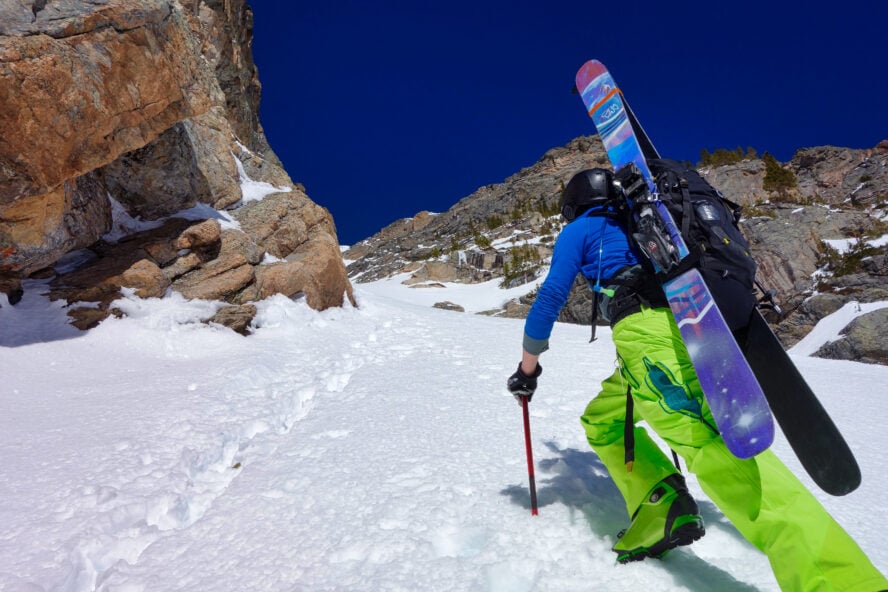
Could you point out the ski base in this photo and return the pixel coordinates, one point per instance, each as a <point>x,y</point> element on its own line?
<point>808,428</point>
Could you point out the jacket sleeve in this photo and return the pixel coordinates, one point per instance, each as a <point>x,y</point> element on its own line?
<point>567,262</point>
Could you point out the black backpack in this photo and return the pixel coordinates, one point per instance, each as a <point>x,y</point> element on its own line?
<point>708,223</point>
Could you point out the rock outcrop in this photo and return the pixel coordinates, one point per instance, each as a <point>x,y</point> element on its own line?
<point>139,110</point>
<point>862,340</point>
<point>84,83</point>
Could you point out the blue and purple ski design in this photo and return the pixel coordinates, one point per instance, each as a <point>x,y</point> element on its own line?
<point>734,396</point>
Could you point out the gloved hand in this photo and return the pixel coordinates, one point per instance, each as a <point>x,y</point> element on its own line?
<point>522,385</point>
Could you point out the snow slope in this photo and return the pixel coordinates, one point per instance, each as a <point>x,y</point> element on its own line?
<point>369,449</point>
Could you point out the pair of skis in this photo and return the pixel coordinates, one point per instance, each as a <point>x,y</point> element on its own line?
<point>746,384</point>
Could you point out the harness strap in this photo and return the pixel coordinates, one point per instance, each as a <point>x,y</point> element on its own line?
<point>686,211</point>
<point>629,432</point>
<point>595,299</point>
<point>629,436</point>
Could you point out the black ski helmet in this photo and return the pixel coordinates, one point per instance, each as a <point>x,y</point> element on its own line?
<point>589,188</point>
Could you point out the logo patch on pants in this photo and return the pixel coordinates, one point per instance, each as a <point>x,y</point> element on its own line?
<point>674,397</point>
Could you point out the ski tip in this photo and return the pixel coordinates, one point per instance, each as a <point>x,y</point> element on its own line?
<point>587,73</point>
<point>593,66</point>
<point>837,479</point>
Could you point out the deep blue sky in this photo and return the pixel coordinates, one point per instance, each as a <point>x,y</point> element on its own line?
<point>383,109</point>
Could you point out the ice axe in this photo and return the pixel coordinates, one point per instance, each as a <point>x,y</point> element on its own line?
<point>533,493</point>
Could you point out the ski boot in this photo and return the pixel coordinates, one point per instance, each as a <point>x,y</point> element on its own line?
<point>668,518</point>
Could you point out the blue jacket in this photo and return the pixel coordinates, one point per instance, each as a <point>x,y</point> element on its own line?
<point>595,246</point>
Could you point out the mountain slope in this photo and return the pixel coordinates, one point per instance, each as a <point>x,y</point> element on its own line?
<point>827,196</point>
<point>353,449</point>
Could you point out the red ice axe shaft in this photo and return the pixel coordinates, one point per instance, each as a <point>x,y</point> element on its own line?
<point>533,491</point>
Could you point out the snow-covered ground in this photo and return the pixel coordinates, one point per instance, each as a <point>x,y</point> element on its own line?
<point>356,449</point>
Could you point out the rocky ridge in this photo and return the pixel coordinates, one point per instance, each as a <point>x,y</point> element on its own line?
<point>504,232</point>
<point>148,110</point>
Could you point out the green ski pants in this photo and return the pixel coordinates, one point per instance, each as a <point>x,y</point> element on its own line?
<point>771,508</point>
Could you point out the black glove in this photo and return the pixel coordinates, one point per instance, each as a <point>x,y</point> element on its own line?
<point>522,385</point>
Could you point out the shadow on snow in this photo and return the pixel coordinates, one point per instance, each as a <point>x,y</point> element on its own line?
<point>579,480</point>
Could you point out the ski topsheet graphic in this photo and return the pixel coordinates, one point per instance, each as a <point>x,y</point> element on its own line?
<point>734,396</point>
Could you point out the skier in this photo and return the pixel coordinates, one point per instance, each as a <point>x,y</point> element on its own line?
<point>655,382</point>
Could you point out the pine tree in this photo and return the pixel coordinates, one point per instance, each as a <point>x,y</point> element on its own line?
<point>777,178</point>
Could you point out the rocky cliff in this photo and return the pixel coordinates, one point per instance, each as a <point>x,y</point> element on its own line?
<point>504,233</point>
<point>132,156</point>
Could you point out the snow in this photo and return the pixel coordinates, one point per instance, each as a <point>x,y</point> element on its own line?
<point>122,224</point>
<point>474,298</point>
<point>203,211</point>
<point>843,245</point>
<point>830,327</point>
<point>255,190</point>
<point>357,449</point>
